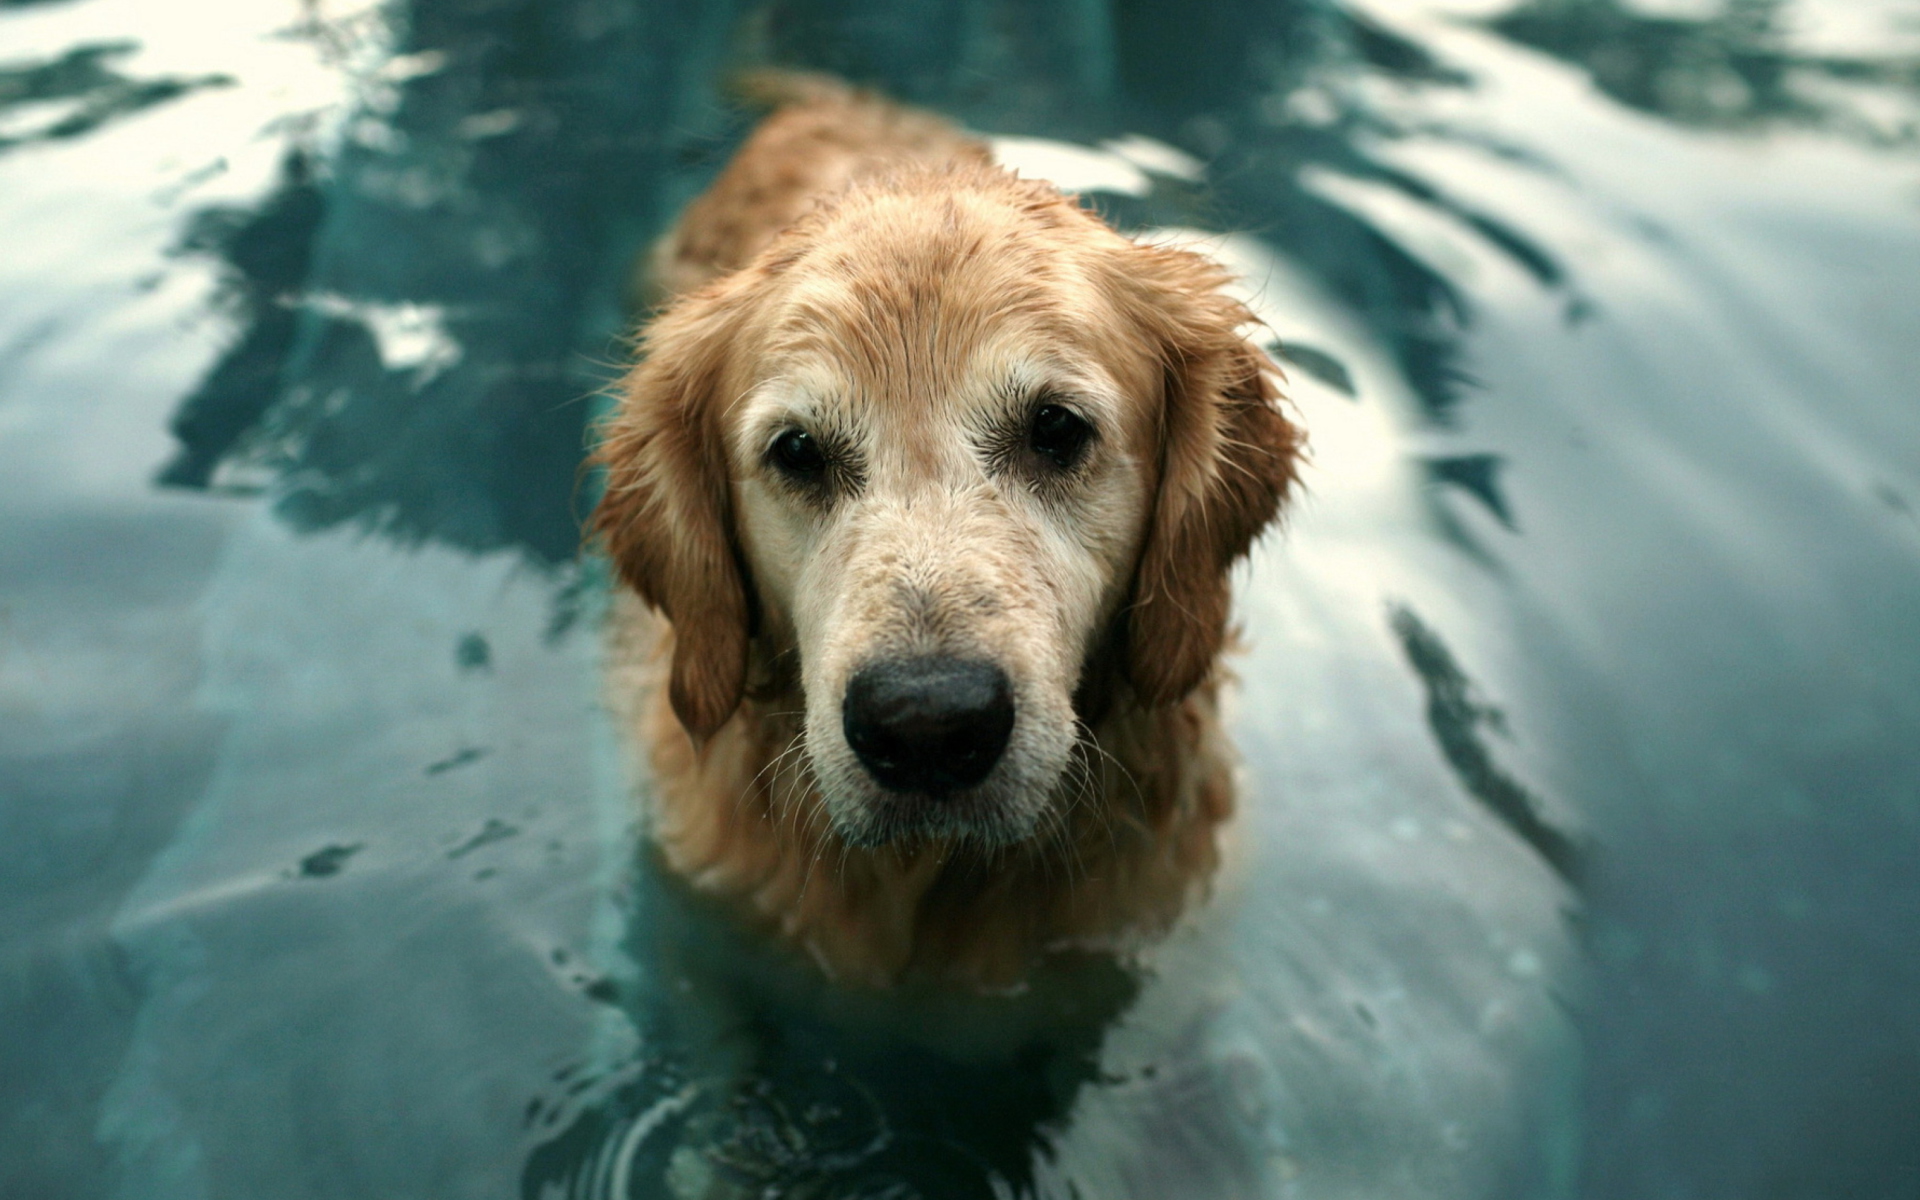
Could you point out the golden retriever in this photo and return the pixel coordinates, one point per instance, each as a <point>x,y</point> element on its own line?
<point>934,481</point>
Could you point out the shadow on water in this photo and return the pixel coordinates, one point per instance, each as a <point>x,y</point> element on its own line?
<point>757,1079</point>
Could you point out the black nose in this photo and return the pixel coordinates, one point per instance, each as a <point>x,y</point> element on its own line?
<point>928,724</point>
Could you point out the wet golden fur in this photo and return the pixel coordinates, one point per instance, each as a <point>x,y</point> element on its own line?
<point>863,267</point>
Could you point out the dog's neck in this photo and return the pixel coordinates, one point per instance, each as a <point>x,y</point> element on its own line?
<point>1133,838</point>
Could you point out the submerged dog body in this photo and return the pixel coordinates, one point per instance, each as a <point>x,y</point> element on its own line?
<point>936,481</point>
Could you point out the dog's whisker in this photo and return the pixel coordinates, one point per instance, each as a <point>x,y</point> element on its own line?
<point>794,811</point>
<point>1091,741</point>
<point>1085,798</point>
<point>774,764</point>
<point>774,802</point>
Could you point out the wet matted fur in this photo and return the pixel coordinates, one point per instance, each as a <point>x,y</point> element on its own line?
<point>863,275</point>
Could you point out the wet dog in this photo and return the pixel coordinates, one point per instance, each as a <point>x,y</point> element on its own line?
<point>927,487</point>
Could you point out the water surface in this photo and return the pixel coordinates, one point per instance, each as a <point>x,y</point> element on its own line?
<point>1582,797</point>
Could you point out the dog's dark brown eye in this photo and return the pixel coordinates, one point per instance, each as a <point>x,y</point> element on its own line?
<point>1059,436</point>
<point>798,453</point>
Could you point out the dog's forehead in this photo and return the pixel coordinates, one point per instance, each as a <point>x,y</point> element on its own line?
<point>903,289</point>
<point>896,319</point>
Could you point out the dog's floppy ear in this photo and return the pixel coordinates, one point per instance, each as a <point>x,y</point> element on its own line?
<point>1228,459</point>
<point>665,517</point>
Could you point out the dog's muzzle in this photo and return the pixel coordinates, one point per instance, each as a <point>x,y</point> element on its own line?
<point>928,725</point>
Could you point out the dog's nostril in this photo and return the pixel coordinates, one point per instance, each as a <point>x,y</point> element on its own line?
<point>928,724</point>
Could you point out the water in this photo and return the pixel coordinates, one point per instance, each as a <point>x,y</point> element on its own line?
<point>1582,791</point>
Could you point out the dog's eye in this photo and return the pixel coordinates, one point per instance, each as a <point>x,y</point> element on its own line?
<point>798,453</point>
<point>1059,436</point>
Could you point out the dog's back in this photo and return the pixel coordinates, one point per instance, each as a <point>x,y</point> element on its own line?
<point>822,136</point>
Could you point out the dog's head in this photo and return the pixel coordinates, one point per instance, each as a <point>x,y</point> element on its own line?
<point>966,459</point>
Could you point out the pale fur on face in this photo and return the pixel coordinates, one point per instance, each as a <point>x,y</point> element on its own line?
<point>912,322</point>
<point>937,538</point>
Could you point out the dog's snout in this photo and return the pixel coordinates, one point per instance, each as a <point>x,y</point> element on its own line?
<point>928,724</point>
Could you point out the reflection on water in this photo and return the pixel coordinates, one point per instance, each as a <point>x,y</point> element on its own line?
<point>1733,66</point>
<point>1579,827</point>
<point>76,93</point>
<point>454,295</point>
<point>423,332</point>
<point>1460,723</point>
<point>266,254</point>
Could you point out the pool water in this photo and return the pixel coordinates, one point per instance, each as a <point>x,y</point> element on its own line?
<point>1579,851</point>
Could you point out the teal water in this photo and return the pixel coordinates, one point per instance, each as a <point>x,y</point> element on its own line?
<point>1580,852</point>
